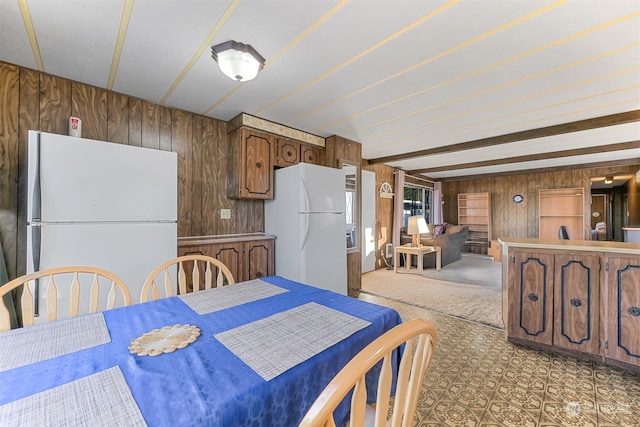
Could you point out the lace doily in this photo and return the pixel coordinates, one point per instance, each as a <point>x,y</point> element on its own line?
<point>164,340</point>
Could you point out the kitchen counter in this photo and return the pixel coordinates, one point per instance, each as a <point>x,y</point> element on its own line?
<point>221,238</point>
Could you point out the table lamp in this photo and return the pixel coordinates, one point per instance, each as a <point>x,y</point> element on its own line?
<point>416,226</point>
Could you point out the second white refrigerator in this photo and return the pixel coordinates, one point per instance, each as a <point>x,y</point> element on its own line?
<point>307,216</point>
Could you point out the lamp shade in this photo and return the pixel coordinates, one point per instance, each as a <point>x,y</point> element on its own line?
<point>417,225</point>
<point>238,61</point>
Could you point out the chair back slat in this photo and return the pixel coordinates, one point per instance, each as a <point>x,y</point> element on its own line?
<point>74,305</point>
<point>52,299</point>
<point>208,276</point>
<point>26,303</point>
<point>413,367</point>
<point>223,276</point>
<point>111,296</point>
<point>51,289</point>
<point>195,284</point>
<point>182,279</point>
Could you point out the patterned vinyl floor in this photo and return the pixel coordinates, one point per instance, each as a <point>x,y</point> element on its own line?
<point>477,378</point>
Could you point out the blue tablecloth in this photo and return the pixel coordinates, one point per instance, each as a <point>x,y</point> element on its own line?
<point>204,383</point>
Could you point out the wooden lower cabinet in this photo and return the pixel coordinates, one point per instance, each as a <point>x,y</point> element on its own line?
<point>247,258</point>
<point>576,303</point>
<point>554,300</point>
<point>623,318</point>
<point>584,303</point>
<point>531,297</point>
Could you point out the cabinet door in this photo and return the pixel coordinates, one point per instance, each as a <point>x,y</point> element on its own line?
<point>259,259</point>
<point>531,297</point>
<point>576,302</point>
<point>250,165</point>
<point>287,152</point>
<point>231,255</point>
<point>623,323</point>
<point>309,154</point>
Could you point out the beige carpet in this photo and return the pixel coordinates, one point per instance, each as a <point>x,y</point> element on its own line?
<point>471,291</point>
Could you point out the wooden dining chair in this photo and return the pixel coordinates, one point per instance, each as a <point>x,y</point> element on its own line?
<point>413,366</point>
<point>211,268</point>
<point>52,281</point>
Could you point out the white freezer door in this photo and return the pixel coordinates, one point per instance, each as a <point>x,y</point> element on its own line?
<point>129,250</point>
<point>321,189</point>
<point>88,180</point>
<point>323,251</point>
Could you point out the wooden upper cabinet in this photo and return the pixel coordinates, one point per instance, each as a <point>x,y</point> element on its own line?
<point>250,164</point>
<point>310,154</point>
<point>287,152</point>
<point>290,152</point>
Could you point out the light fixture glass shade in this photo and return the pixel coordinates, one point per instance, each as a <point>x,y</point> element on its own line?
<point>238,61</point>
<point>608,180</point>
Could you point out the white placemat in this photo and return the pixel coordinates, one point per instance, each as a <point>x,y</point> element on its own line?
<point>101,399</point>
<point>210,300</point>
<point>272,345</point>
<point>24,346</point>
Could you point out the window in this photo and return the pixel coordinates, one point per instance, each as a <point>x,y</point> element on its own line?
<point>418,200</point>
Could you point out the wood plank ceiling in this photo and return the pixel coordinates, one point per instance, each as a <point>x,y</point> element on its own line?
<point>444,88</point>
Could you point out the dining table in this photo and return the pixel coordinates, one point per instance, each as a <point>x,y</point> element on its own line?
<point>255,353</point>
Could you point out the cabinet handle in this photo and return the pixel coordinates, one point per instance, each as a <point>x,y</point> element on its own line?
<point>259,274</point>
<point>576,302</point>
<point>258,165</point>
<point>634,311</point>
<point>532,297</point>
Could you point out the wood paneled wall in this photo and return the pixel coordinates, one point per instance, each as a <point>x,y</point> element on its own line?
<point>31,100</point>
<point>336,149</point>
<point>384,211</point>
<point>520,220</point>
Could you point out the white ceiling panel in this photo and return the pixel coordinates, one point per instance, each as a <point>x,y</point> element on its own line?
<point>397,76</point>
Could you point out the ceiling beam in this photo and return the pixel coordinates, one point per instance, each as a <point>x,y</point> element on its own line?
<point>581,125</point>
<point>533,157</point>
<point>607,164</point>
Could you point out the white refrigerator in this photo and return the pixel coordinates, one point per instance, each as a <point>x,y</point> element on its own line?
<point>307,216</point>
<point>99,204</point>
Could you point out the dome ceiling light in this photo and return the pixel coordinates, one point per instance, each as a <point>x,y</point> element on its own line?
<point>238,61</point>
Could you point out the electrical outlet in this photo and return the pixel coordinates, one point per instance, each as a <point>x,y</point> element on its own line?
<point>225,213</point>
<point>388,250</point>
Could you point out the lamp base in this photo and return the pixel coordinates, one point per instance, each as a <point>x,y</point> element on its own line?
<point>415,242</point>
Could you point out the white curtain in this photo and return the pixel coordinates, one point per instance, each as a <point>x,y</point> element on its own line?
<point>437,202</point>
<point>398,208</point>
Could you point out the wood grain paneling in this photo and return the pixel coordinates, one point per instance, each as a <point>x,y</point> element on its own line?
<point>89,104</point>
<point>166,120</point>
<point>196,175</point>
<point>180,139</point>
<point>150,127</point>
<point>117,118</point>
<point>511,219</point>
<point>9,93</point>
<point>55,104</point>
<point>135,122</point>
<point>29,112</point>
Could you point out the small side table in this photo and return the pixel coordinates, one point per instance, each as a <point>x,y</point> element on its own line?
<point>419,251</point>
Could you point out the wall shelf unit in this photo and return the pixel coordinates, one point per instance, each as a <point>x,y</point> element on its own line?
<point>561,206</point>
<point>474,210</point>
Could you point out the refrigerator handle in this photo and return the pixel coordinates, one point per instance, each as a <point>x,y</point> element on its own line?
<point>36,209</point>
<point>305,195</point>
<point>36,239</point>
<point>305,234</point>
